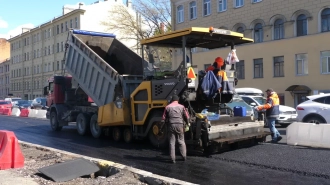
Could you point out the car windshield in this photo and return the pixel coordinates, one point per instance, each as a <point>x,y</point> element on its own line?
<point>43,101</point>
<point>22,102</point>
<point>15,99</point>
<point>239,102</point>
<point>4,102</point>
<point>260,100</point>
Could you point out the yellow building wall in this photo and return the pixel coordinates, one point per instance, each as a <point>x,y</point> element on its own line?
<point>266,12</point>
<point>312,45</point>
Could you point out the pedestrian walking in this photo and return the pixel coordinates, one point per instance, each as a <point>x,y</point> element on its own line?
<point>272,112</point>
<point>175,115</point>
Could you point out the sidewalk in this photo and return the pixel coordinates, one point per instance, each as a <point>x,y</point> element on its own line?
<point>9,177</point>
<point>37,156</point>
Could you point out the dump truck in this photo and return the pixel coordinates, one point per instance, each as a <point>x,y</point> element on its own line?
<point>107,89</point>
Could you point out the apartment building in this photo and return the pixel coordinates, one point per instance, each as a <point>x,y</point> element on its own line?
<point>4,67</point>
<point>4,79</point>
<point>37,54</point>
<point>290,53</point>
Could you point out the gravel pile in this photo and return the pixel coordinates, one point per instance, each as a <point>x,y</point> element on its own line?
<point>36,158</point>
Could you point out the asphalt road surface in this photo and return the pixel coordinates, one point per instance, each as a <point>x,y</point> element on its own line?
<point>262,164</point>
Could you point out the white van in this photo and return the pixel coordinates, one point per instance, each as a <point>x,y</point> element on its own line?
<point>254,97</point>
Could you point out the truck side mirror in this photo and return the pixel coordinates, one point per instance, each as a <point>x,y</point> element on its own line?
<point>46,90</point>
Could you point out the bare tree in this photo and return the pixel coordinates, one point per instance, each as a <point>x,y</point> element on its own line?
<point>146,19</point>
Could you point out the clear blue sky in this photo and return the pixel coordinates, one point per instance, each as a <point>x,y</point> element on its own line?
<point>15,14</point>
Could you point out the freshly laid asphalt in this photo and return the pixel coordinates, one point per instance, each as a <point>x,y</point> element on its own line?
<point>262,164</point>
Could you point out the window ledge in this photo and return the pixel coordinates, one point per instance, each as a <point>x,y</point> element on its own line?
<point>206,15</point>
<point>301,74</point>
<point>222,11</point>
<point>236,7</point>
<point>278,76</point>
<point>193,19</point>
<point>256,2</point>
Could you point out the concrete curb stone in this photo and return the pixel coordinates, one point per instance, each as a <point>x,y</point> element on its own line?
<point>109,167</point>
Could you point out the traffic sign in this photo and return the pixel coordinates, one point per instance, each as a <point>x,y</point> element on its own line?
<point>191,73</point>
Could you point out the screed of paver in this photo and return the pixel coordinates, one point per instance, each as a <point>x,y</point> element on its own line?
<point>11,178</point>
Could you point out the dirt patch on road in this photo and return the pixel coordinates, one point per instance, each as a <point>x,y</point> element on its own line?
<point>36,158</point>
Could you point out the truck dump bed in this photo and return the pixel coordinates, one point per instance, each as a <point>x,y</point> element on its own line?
<point>97,61</point>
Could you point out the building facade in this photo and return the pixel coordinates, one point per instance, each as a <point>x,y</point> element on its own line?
<point>290,53</point>
<point>37,54</point>
<point>4,68</point>
<point>4,79</point>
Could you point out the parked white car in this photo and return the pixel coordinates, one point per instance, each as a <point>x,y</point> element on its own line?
<point>315,110</point>
<point>287,114</point>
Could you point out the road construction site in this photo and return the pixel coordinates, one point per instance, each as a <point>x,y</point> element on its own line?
<point>261,164</point>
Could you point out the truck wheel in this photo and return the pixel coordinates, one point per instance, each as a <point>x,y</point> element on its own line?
<point>82,124</point>
<point>54,124</point>
<point>128,137</point>
<point>157,137</point>
<point>117,134</point>
<point>96,130</point>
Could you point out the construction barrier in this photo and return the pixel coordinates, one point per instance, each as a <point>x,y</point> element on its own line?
<point>10,153</point>
<point>6,111</point>
<point>34,113</point>
<point>15,112</point>
<point>24,113</point>
<point>308,134</point>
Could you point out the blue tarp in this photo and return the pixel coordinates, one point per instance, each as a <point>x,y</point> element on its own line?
<point>92,33</point>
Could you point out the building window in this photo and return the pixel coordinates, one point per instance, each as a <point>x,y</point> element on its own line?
<point>71,23</point>
<point>258,33</point>
<point>49,67</point>
<point>62,46</point>
<point>206,66</point>
<point>206,7</point>
<point>238,3</point>
<point>58,47</point>
<point>62,28</point>
<point>48,50</point>
<point>45,68</point>
<point>193,10</point>
<point>325,62</point>
<point>258,68</point>
<point>301,64</point>
<point>58,29</point>
<point>278,29</point>
<point>57,65</point>
<point>240,69</point>
<point>301,25</point>
<point>222,5</point>
<point>180,14</point>
<point>256,1</point>
<point>279,66</point>
<point>76,22</point>
<point>325,20</point>
<point>240,30</point>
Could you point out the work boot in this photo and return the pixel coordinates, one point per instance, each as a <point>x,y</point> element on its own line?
<point>184,158</point>
<point>173,161</point>
<point>279,138</point>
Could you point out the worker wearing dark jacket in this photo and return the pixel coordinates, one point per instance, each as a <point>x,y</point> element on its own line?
<point>174,117</point>
<point>272,112</point>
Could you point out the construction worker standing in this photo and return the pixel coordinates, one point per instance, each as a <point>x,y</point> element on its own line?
<point>174,117</point>
<point>272,112</point>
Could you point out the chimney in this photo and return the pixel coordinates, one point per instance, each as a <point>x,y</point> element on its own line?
<point>162,25</point>
<point>129,4</point>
